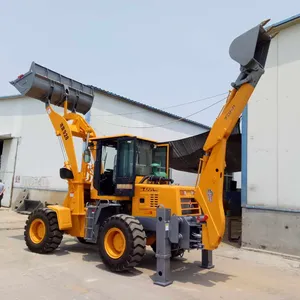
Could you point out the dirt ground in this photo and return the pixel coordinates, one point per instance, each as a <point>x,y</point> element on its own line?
<point>75,271</point>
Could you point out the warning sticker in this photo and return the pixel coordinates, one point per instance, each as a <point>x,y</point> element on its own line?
<point>167,226</point>
<point>210,195</point>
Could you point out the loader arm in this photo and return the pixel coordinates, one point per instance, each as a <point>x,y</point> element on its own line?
<point>67,131</point>
<point>250,50</point>
<point>78,128</point>
<point>51,87</point>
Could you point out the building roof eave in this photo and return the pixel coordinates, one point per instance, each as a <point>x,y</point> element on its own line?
<point>283,24</point>
<point>148,107</point>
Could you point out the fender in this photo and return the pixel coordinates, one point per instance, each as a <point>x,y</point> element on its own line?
<point>63,216</point>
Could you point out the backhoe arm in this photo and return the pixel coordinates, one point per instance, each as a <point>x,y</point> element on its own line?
<point>250,50</point>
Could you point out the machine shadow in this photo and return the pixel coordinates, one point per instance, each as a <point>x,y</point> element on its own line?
<point>186,272</point>
<point>17,237</point>
<point>89,251</point>
<point>181,270</point>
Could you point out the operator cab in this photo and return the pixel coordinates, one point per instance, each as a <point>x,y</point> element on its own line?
<point>126,160</point>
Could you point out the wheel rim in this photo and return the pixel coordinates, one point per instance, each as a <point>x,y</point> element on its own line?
<point>115,243</point>
<point>37,231</point>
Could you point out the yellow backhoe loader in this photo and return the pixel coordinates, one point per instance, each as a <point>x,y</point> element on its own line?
<point>122,197</point>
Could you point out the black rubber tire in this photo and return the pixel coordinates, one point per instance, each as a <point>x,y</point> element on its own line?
<point>135,242</point>
<point>53,236</point>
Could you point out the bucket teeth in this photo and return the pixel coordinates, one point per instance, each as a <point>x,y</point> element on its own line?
<point>263,23</point>
<point>270,28</point>
<point>273,35</point>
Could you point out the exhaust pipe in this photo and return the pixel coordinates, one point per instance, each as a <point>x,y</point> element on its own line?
<point>251,48</point>
<point>50,87</point>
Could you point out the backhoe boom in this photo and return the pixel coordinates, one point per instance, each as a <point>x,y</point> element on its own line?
<point>250,51</point>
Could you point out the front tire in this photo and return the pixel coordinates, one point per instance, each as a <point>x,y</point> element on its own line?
<point>41,232</point>
<point>122,242</point>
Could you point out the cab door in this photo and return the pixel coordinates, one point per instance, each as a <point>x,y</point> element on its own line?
<point>125,170</point>
<point>161,156</point>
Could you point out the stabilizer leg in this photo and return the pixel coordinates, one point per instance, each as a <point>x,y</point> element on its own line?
<point>207,259</point>
<point>163,248</point>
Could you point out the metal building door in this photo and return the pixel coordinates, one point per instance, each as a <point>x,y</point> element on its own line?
<point>7,169</point>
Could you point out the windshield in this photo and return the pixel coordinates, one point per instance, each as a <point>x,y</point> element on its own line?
<point>150,160</point>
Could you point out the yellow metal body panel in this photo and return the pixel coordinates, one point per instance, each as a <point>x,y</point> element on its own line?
<point>209,190</point>
<point>149,196</point>
<point>63,216</point>
<point>78,224</point>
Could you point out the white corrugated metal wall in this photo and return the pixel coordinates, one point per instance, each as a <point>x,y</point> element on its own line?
<point>271,147</point>
<point>273,127</point>
<point>39,156</point>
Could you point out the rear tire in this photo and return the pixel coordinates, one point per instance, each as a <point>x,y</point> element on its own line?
<point>122,242</point>
<point>41,232</point>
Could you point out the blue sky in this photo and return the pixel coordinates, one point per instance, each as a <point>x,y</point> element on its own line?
<point>160,53</point>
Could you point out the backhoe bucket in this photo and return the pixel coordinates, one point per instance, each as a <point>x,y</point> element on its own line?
<point>48,86</point>
<point>251,47</point>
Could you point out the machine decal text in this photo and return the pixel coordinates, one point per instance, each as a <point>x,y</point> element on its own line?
<point>229,112</point>
<point>148,189</point>
<point>64,131</point>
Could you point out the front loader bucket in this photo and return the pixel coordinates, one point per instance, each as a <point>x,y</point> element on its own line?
<point>48,86</point>
<point>251,47</point>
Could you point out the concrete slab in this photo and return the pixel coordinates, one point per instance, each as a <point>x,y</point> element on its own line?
<point>75,271</point>
<point>11,220</point>
<point>281,231</point>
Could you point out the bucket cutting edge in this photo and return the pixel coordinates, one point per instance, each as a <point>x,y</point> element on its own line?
<point>49,86</point>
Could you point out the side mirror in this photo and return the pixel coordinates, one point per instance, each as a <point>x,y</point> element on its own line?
<point>87,156</point>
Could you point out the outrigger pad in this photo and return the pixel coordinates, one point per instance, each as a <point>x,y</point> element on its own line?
<point>46,85</point>
<point>251,47</point>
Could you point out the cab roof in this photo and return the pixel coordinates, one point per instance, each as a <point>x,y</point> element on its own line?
<point>97,138</point>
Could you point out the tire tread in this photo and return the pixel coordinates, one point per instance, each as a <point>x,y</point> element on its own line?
<point>137,242</point>
<point>53,235</point>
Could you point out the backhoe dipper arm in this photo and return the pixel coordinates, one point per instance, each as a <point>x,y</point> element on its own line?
<point>250,50</point>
